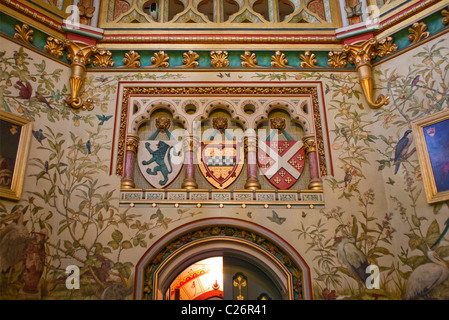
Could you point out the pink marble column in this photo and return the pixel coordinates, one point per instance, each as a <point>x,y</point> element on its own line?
<point>189,145</point>
<point>310,147</point>
<point>132,144</point>
<point>252,181</point>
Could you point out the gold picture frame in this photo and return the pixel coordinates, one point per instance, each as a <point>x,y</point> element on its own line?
<point>15,140</point>
<point>431,136</point>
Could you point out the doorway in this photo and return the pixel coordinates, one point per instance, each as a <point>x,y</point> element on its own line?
<point>223,278</point>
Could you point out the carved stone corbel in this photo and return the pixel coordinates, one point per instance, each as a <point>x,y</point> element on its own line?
<point>79,54</point>
<point>361,54</point>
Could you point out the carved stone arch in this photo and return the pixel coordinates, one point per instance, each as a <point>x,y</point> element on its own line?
<point>221,236</point>
<point>227,106</point>
<point>296,113</point>
<point>145,114</point>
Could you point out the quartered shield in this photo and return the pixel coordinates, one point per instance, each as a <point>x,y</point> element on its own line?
<point>221,162</point>
<point>160,161</point>
<point>281,162</point>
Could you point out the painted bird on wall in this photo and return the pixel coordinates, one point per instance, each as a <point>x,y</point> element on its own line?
<point>25,91</point>
<point>42,99</point>
<point>39,135</point>
<point>352,258</point>
<point>276,219</point>
<point>426,277</point>
<point>401,153</point>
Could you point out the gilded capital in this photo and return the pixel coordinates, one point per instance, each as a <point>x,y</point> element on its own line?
<point>79,54</point>
<point>132,143</point>
<point>361,53</point>
<point>309,144</point>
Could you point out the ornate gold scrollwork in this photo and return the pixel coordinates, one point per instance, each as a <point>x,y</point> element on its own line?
<point>308,60</point>
<point>337,59</point>
<point>103,59</point>
<point>190,59</point>
<point>79,54</point>
<point>278,60</point>
<point>445,13</point>
<point>418,32</point>
<point>24,33</point>
<point>160,60</point>
<point>132,59</point>
<point>54,47</point>
<point>249,60</point>
<point>361,54</point>
<point>219,59</point>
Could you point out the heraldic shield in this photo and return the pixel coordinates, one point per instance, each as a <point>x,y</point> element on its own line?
<point>160,161</point>
<point>281,162</point>
<point>221,162</point>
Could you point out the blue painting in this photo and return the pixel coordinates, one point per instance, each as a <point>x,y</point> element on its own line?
<point>437,141</point>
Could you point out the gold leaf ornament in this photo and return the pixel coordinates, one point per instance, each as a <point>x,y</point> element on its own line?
<point>103,59</point>
<point>24,33</point>
<point>445,13</point>
<point>132,59</point>
<point>418,32</point>
<point>308,60</point>
<point>219,59</point>
<point>249,60</point>
<point>190,59</point>
<point>337,59</point>
<point>386,47</point>
<point>160,60</point>
<point>278,60</point>
<point>54,47</point>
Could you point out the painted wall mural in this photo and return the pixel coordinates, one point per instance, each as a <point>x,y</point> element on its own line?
<point>374,204</point>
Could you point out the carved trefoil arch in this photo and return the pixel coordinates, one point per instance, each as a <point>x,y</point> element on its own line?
<point>246,109</point>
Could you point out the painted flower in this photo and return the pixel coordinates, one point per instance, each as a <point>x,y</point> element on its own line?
<point>345,90</point>
<point>336,146</point>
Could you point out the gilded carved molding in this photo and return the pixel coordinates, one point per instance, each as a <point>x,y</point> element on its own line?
<point>418,31</point>
<point>132,59</point>
<point>199,91</point>
<point>79,54</point>
<point>160,60</point>
<point>103,59</point>
<point>278,60</point>
<point>337,59</point>
<point>24,33</point>
<point>361,53</point>
<point>219,59</point>
<point>249,60</point>
<point>190,59</point>
<point>445,13</point>
<point>54,47</point>
<point>308,60</point>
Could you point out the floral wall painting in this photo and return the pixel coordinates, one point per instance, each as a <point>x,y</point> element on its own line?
<point>15,138</point>
<point>432,141</point>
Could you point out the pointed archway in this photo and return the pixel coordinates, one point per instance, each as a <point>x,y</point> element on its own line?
<point>227,237</point>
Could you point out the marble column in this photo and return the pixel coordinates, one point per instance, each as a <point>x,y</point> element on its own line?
<point>311,152</point>
<point>132,145</point>
<point>252,182</point>
<point>190,144</point>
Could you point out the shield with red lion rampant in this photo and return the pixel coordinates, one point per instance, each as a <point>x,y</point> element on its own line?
<point>221,162</point>
<point>281,162</point>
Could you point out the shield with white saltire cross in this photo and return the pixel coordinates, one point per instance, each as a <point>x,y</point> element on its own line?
<point>281,162</point>
<point>221,162</point>
<point>160,162</point>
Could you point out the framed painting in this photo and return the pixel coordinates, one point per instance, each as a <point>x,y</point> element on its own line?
<point>432,144</point>
<point>15,139</point>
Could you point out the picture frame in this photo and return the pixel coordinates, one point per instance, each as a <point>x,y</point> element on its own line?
<point>431,135</point>
<point>15,140</point>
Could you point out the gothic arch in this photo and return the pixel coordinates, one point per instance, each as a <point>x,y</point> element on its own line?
<point>211,236</point>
